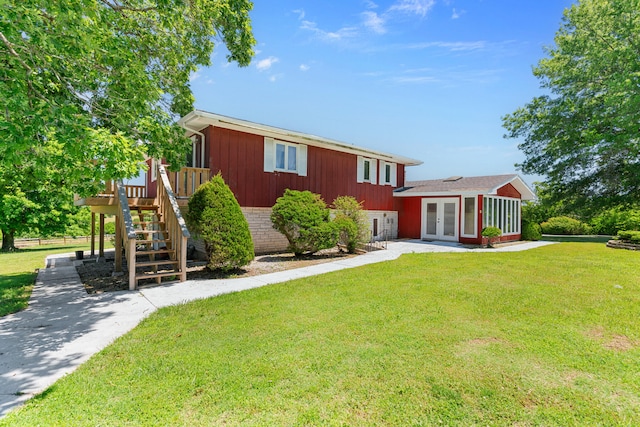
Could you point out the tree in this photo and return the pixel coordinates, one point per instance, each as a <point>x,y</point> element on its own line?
<point>584,134</point>
<point>215,216</point>
<point>93,86</point>
<point>303,218</point>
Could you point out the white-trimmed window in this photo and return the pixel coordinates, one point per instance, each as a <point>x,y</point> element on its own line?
<point>388,173</point>
<point>154,170</point>
<point>367,169</point>
<point>501,212</point>
<point>469,219</point>
<point>281,156</point>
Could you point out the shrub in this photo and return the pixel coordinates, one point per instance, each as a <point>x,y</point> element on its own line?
<point>564,225</point>
<point>531,231</point>
<point>630,235</point>
<point>491,233</point>
<point>215,216</point>
<point>615,219</point>
<point>303,218</point>
<point>347,232</point>
<point>349,207</point>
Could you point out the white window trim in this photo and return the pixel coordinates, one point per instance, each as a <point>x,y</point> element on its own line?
<point>154,170</point>
<point>270,146</point>
<point>508,225</point>
<point>373,170</point>
<point>475,216</point>
<point>393,173</point>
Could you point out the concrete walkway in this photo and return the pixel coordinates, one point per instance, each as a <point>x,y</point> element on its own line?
<point>64,326</point>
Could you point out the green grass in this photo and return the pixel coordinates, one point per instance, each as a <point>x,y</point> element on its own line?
<point>18,273</point>
<point>544,337</point>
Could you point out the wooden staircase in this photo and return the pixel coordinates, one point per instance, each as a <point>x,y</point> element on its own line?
<point>155,254</point>
<point>153,236</point>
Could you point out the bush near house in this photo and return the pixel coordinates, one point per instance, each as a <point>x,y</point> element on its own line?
<point>531,231</point>
<point>348,208</point>
<point>491,233</point>
<point>215,216</point>
<point>564,225</point>
<point>303,218</point>
<point>632,236</point>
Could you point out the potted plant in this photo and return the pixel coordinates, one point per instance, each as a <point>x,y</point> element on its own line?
<point>490,235</point>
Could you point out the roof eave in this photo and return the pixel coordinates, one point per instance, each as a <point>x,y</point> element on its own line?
<point>201,119</point>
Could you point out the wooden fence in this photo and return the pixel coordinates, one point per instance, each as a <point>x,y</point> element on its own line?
<point>67,240</point>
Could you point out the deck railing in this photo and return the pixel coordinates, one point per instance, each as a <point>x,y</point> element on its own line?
<point>187,181</point>
<point>132,191</point>
<point>174,222</point>
<point>125,234</point>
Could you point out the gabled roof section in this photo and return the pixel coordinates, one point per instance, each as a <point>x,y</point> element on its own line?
<point>198,120</point>
<point>487,185</point>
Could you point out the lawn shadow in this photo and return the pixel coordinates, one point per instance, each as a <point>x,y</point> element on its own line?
<point>576,239</point>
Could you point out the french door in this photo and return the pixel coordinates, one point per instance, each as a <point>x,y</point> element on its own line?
<point>440,219</point>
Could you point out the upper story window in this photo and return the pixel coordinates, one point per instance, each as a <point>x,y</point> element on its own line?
<point>286,157</point>
<point>281,156</point>
<point>388,173</point>
<point>367,170</point>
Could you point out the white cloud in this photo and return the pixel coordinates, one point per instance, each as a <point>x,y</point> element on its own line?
<point>374,22</point>
<point>275,77</point>
<point>457,14</point>
<point>341,34</point>
<point>300,13</point>
<point>194,76</point>
<point>452,46</point>
<point>370,5</point>
<point>417,7</point>
<point>265,64</point>
<point>304,67</point>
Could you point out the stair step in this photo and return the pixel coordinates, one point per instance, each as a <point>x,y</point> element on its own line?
<point>138,222</point>
<point>147,242</point>
<point>150,231</point>
<point>156,252</point>
<point>142,276</point>
<point>156,263</point>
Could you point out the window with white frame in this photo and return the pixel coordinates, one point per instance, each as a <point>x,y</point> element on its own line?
<point>388,173</point>
<point>281,156</point>
<point>469,226</point>
<point>501,212</point>
<point>366,170</point>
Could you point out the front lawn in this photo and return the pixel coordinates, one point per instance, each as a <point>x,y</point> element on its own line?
<point>544,337</point>
<point>18,273</point>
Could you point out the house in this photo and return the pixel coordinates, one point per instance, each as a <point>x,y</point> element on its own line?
<point>259,162</point>
<point>458,208</point>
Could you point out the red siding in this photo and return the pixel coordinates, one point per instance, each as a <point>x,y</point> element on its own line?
<point>509,191</point>
<point>409,217</point>
<point>239,157</point>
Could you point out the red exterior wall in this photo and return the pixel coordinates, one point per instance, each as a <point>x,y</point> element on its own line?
<point>509,191</point>
<point>409,217</point>
<point>239,156</point>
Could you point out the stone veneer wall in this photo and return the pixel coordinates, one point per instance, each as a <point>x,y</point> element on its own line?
<point>267,240</point>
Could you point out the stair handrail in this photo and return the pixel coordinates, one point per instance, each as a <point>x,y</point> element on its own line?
<point>164,178</point>
<point>127,219</point>
<point>174,222</point>
<point>125,235</point>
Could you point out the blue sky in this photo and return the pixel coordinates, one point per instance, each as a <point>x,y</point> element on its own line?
<point>427,79</point>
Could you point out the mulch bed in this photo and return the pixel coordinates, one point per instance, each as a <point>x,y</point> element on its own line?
<point>98,275</point>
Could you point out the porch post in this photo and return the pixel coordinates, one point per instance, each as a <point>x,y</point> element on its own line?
<point>118,255</point>
<point>93,234</point>
<point>101,243</point>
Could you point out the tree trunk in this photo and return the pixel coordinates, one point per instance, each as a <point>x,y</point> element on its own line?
<point>8,240</point>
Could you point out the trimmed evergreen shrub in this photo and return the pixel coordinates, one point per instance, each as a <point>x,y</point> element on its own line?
<point>491,233</point>
<point>632,236</point>
<point>349,207</point>
<point>303,218</point>
<point>564,225</point>
<point>215,216</point>
<point>531,231</point>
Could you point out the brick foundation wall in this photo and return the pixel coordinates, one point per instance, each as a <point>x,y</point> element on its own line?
<point>267,240</point>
